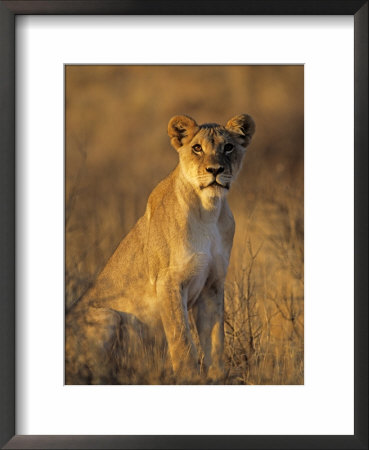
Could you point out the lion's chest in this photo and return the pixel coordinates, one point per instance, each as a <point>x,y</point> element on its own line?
<point>209,257</point>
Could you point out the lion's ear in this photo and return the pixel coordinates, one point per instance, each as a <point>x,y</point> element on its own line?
<point>181,130</point>
<point>243,125</point>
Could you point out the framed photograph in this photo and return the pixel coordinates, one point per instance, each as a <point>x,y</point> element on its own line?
<point>184,224</point>
<point>267,251</point>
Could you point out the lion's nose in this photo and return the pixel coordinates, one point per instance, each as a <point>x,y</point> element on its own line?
<point>215,169</point>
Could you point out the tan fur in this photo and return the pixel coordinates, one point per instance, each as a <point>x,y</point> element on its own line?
<point>173,261</point>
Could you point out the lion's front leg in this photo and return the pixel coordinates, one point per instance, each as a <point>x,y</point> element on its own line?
<point>174,316</point>
<point>209,316</point>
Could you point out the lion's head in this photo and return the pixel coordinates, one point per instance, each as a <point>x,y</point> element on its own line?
<point>211,154</point>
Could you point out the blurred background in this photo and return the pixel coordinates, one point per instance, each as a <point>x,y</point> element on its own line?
<point>117,150</point>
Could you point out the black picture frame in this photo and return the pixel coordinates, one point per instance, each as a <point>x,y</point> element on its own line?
<point>8,11</point>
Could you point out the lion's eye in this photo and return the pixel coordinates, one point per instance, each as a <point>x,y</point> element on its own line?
<point>197,148</point>
<point>228,148</point>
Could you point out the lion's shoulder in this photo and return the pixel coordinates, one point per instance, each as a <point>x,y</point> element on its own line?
<point>161,196</point>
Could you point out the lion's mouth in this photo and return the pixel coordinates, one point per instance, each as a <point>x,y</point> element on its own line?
<point>215,183</point>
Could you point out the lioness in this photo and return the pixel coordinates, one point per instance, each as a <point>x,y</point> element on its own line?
<point>174,260</point>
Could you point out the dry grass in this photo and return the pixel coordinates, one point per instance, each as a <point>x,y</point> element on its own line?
<point>116,152</point>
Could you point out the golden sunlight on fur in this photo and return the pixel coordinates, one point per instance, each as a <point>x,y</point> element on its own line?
<point>171,265</point>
